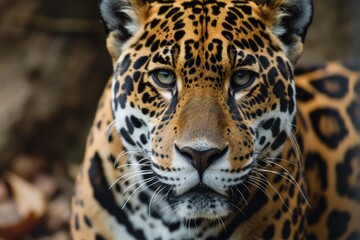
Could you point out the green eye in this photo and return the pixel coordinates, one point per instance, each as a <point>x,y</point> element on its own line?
<point>242,79</point>
<point>164,78</point>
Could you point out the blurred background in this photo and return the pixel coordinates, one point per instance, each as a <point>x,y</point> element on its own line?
<point>53,67</point>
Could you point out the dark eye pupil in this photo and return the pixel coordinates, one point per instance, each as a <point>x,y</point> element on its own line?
<point>242,79</point>
<point>164,78</point>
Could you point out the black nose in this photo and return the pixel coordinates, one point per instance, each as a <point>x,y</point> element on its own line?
<point>201,160</point>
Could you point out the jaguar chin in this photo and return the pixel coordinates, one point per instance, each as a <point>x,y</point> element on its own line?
<point>201,202</point>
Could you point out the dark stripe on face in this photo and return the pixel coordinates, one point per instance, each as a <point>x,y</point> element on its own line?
<point>173,104</point>
<point>105,197</point>
<point>234,109</point>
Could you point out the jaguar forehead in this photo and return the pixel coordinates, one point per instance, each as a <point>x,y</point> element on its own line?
<point>188,36</point>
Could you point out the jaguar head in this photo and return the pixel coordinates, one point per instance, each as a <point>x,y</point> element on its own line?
<point>204,89</point>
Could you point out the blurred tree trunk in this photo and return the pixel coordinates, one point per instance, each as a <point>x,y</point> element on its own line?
<point>53,66</point>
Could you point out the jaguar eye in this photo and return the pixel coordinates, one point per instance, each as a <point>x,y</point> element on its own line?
<point>164,78</point>
<point>242,79</point>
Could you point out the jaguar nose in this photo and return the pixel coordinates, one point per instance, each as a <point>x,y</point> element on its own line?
<point>201,160</point>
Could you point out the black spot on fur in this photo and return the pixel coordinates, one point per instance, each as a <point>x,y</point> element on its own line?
<point>164,9</point>
<point>268,124</point>
<point>335,124</point>
<point>136,122</point>
<point>275,128</point>
<point>357,87</point>
<point>262,140</point>
<point>291,102</point>
<point>227,35</point>
<point>311,236</point>
<point>127,137</point>
<point>282,67</point>
<point>129,126</point>
<point>272,75</point>
<point>286,230</point>
<point>99,237</point>
<point>141,87</point>
<point>259,41</point>
<point>179,35</point>
<point>121,100</point>
<point>140,62</point>
<point>128,85</point>
<point>354,113</point>
<point>143,139</point>
<point>279,89</point>
<point>269,232</point>
<point>154,22</point>
<point>136,76</point>
<point>337,224</point>
<point>173,226</point>
<point>76,222</point>
<point>236,12</point>
<point>116,87</point>
<point>125,64</point>
<point>144,198</point>
<point>335,86</point>
<point>264,62</point>
<point>303,95</point>
<point>87,221</point>
<point>345,170</point>
<point>150,40</point>
<point>254,47</point>
<point>279,140</point>
<point>295,214</point>
<point>317,209</point>
<point>315,161</point>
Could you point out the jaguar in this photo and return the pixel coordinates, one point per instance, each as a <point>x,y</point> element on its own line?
<point>207,131</point>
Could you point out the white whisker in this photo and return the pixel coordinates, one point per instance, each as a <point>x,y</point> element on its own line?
<point>138,182</point>
<point>242,196</point>
<point>258,186</point>
<point>288,177</point>
<point>136,173</point>
<point>133,164</point>
<point>263,178</point>
<point>153,197</point>
<point>237,208</point>
<point>294,182</point>
<point>132,194</point>
<point>119,156</point>
<point>295,146</point>
<point>167,207</point>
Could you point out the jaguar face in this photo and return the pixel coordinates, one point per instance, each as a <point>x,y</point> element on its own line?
<point>203,91</point>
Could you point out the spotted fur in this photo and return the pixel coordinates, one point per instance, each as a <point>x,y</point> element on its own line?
<point>203,159</point>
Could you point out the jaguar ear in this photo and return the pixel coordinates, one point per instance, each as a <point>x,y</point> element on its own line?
<point>289,21</point>
<point>122,19</point>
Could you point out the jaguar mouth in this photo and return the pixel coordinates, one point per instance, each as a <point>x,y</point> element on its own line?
<point>201,202</point>
<point>201,190</point>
